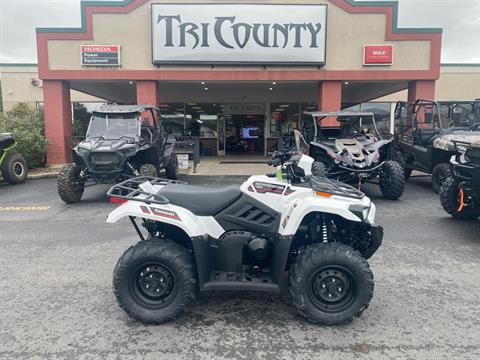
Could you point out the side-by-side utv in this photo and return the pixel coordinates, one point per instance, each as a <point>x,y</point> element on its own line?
<point>122,141</point>
<point>460,193</point>
<point>13,166</point>
<point>424,140</point>
<point>352,151</point>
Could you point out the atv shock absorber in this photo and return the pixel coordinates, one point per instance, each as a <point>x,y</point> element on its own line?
<point>132,169</point>
<point>324,230</point>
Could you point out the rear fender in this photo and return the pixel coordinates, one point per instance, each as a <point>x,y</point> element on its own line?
<point>177,216</point>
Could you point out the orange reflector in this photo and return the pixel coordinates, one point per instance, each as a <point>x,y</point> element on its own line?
<point>461,204</point>
<point>118,200</point>
<point>324,194</point>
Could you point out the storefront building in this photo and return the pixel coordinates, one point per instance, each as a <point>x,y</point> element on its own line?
<point>244,72</point>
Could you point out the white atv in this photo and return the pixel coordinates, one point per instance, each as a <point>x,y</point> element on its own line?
<point>317,231</point>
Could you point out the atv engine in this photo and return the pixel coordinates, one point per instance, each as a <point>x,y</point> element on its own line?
<point>238,248</point>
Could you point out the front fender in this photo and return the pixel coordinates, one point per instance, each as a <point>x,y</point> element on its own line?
<point>297,210</point>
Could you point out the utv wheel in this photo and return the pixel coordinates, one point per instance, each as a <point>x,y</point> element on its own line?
<point>70,185</point>
<point>450,200</point>
<point>319,169</point>
<point>392,180</point>
<point>171,171</point>
<point>154,281</point>
<point>148,170</point>
<point>440,173</point>
<point>331,284</point>
<point>402,160</point>
<point>14,169</point>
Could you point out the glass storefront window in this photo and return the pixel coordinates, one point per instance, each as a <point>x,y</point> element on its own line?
<point>284,118</point>
<point>173,116</point>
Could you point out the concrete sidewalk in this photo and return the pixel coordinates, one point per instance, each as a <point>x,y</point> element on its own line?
<point>232,165</point>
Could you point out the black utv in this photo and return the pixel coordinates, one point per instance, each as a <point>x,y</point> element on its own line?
<point>122,141</point>
<point>424,140</point>
<point>460,193</point>
<point>353,151</point>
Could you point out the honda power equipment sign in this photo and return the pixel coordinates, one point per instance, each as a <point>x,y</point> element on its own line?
<point>100,55</point>
<point>238,34</point>
<point>378,55</point>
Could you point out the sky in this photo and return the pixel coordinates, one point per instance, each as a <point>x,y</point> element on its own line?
<point>460,20</point>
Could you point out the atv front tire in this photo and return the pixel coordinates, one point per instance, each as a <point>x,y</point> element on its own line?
<point>154,281</point>
<point>450,200</point>
<point>440,173</point>
<point>171,170</point>
<point>148,170</point>
<point>70,185</point>
<point>392,180</point>
<point>330,284</point>
<point>14,169</point>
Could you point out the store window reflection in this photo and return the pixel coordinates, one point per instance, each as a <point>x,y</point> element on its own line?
<point>201,120</point>
<point>173,116</point>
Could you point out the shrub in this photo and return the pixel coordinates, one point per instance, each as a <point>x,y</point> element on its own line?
<point>27,125</point>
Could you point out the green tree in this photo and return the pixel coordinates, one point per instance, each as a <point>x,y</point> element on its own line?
<point>81,118</point>
<point>27,125</point>
<point>1,100</point>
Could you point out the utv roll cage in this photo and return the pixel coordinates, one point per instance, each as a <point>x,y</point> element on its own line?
<point>341,116</point>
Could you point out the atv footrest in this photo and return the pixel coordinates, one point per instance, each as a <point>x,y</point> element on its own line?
<point>238,281</point>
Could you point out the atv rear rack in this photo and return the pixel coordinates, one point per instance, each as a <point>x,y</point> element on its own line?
<point>130,190</point>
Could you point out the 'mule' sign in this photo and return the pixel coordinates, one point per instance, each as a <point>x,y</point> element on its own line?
<point>239,33</point>
<point>100,55</point>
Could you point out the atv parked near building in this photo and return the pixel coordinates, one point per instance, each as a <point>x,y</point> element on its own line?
<point>120,143</point>
<point>460,193</point>
<point>424,140</point>
<point>13,166</point>
<point>352,151</point>
<point>246,238</point>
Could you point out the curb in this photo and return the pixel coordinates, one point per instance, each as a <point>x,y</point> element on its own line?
<point>43,175</point>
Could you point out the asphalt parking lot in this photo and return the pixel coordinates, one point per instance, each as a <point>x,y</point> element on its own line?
<point>56,301</point>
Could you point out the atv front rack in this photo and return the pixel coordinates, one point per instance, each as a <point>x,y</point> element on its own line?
<point>334,187</point>
<point>130,190</point>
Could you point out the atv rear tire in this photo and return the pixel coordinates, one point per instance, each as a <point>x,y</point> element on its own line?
<point>319,169</point>
<point>69,184</point>
<point>330,283</point>
<point>154,281</point>
<point>14,169</point>
<point>440,173</point>
<point>449,198</point>
<point>148,170</point>
<point>171,171</point>
<point>392,180</point>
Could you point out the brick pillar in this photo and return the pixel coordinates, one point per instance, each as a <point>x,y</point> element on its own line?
<point>329,99</point>
<point>58,121</point>
<point>147,93</point>
<point>421,89</point>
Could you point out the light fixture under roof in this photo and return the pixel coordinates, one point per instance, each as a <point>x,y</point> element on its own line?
<point>130,82</point>
<point>274,83</point>
<point>270,89</point>
<point>203,82</point>
<point>191,104</point>
<point>206,89</point>
<point>346,82</point>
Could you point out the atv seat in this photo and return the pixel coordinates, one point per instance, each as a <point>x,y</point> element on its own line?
<point>201,200</point>
<point>6,140</point>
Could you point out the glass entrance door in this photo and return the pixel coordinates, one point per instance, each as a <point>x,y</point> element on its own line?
<point>244,134</point>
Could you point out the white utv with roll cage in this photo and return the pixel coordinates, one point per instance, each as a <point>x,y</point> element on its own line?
<point>317,231</point>
<point>120,143</point>
<point>352,151</point>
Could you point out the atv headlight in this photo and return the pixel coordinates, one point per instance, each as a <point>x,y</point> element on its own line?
<point>360,211</point>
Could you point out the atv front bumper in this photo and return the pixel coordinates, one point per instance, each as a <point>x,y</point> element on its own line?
<point>376,232</point>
